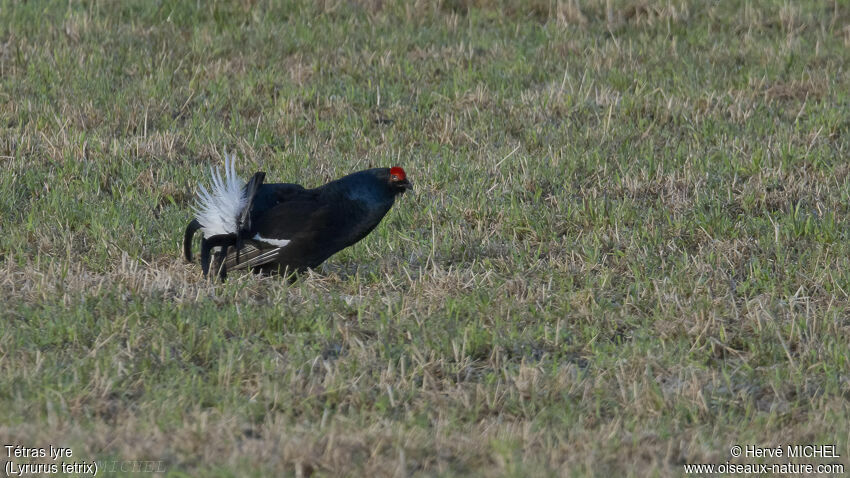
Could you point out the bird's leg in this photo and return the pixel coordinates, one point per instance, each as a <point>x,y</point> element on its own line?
<point>292,274</point>
<point>292,277</point>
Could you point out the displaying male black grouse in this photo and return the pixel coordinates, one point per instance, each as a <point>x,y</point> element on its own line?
<point>278,227</point>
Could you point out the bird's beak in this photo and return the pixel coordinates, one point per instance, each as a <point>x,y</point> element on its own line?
<point>407,185</point>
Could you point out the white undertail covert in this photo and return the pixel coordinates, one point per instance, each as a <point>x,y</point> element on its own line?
<point>218,208</point>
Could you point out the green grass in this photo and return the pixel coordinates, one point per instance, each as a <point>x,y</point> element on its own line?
<point>628,247</point>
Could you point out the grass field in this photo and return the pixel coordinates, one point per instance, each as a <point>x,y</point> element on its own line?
<point>627,250</point>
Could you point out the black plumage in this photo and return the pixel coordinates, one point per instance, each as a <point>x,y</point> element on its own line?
<point>279,227</point>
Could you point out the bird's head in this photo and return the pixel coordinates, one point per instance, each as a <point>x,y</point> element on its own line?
<point>397,180</point>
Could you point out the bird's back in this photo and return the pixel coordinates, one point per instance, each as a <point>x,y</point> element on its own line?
<point>298,228</point>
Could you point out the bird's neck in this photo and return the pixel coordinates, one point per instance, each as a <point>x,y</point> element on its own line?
<point>370,193</point>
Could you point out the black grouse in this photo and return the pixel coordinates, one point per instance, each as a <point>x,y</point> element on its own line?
<point>279,227</point>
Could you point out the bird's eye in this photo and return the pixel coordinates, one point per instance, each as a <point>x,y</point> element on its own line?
<point>394,177</point>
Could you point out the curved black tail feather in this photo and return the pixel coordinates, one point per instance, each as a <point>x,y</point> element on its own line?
<point>187,239</point>
<point>223,241</point>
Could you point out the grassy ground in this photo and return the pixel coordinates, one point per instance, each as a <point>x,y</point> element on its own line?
<point>628,248</point>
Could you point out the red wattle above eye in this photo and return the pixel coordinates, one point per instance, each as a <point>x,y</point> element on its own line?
<point>397,173</point>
